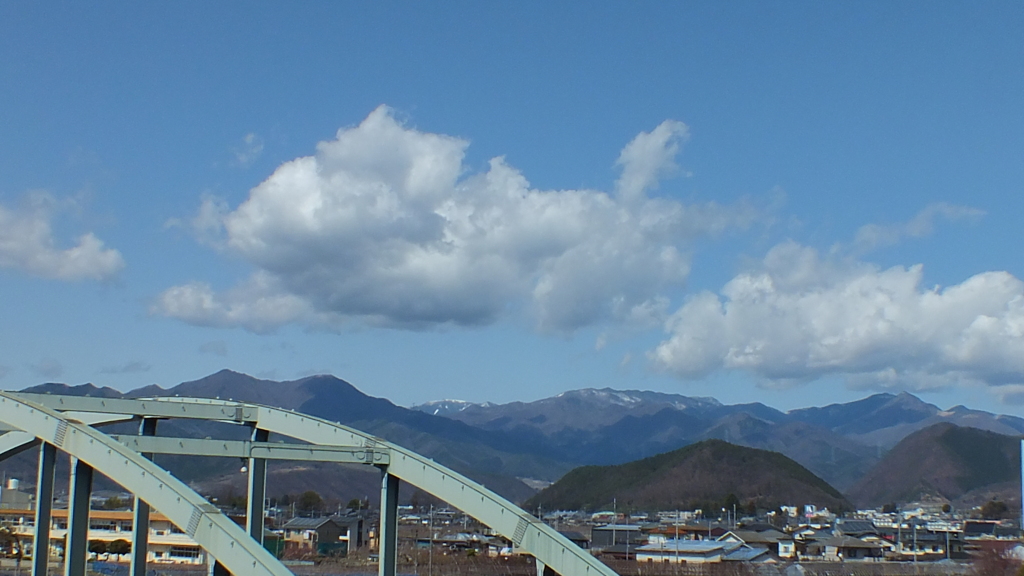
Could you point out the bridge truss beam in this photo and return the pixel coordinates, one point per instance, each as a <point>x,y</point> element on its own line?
<point>204,523</point>
<point>255,450</point>
<point>326,441</point>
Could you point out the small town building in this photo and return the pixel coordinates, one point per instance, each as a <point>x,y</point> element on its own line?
<point>989,529</point>
<point>320,536</point>
<point>699,552</point>
<point>602,537</point>
<point>167,544</point>
<point>12,498</point>
<point>576,538</point>
<point>767,540</point>
<point>855,528</point>
<point>353,530</point>
<point>850,548</point>
<point>622,551</point>
<point>459,542</point>
<point>787,547</point>
<point>689,531</point>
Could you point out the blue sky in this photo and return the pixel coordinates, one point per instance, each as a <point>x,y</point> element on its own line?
<point>793,203</point>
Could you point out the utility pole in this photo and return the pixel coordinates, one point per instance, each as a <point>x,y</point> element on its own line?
<point>899,528</point>
<point>677,542</point>
<point>430,551</point>
<point>615,520</point>
<point>915,548</point>
<point>629,519</point>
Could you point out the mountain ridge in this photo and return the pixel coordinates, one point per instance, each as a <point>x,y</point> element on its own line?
<point>489,457</point>
<point>840,441</point>
<point>543,439</point>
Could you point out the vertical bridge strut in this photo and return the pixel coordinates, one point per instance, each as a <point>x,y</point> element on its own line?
<point>140,513</point>
<point>68,423</point>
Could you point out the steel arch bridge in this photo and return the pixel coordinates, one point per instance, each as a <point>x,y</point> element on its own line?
<point>69,424</point>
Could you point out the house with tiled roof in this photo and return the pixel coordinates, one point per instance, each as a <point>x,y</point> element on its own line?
<point>767,540</point>
<point>850,548</point>
<point>313,536</point>
<point>602,537</point>
<point>576,538</point>
<point>855,528</point>
<point>699,552</point>
<point>988,529</point>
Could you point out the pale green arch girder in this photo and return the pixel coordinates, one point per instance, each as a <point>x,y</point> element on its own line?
<point>203,522</point>
<point>526,531</point>
<point>16,441</point>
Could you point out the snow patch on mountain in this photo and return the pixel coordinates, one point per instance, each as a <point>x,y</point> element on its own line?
<point>448,406</point>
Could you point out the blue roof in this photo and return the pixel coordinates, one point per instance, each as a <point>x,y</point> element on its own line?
<point>306,523</point>
<point>692,546</point>
<point>623,527</point>
<point>745,554</point>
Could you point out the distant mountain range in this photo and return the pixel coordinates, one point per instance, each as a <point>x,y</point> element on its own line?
<point>838,442</point>
<point>511,447</point>
<point>701,475</point>
<point>493,458</point>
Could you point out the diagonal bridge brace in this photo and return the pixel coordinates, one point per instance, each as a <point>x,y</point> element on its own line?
<point>204,523</point>
<point>552,551</point>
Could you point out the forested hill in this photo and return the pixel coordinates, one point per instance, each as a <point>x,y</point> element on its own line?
<point>700,475</point>
<point>942,460</point>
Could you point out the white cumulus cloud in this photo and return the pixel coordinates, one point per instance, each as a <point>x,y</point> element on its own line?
<point>387,225</point>
<point>650,157</point>
<point>27,243</point>
<point>256,305</point>
<point>800,317</point>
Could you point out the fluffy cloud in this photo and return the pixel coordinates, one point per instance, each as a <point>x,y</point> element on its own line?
<point>650,157</point>
<point>801,317</point>
<point>258,305</point>
<point>27,244</point>
<point>384,224</point>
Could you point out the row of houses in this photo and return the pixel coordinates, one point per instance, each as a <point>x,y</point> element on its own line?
<point>167,544</point>
<point>914,539</point>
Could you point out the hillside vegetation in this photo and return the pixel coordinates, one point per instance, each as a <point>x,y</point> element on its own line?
<point>699,475</point>
<point>942,460</point>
